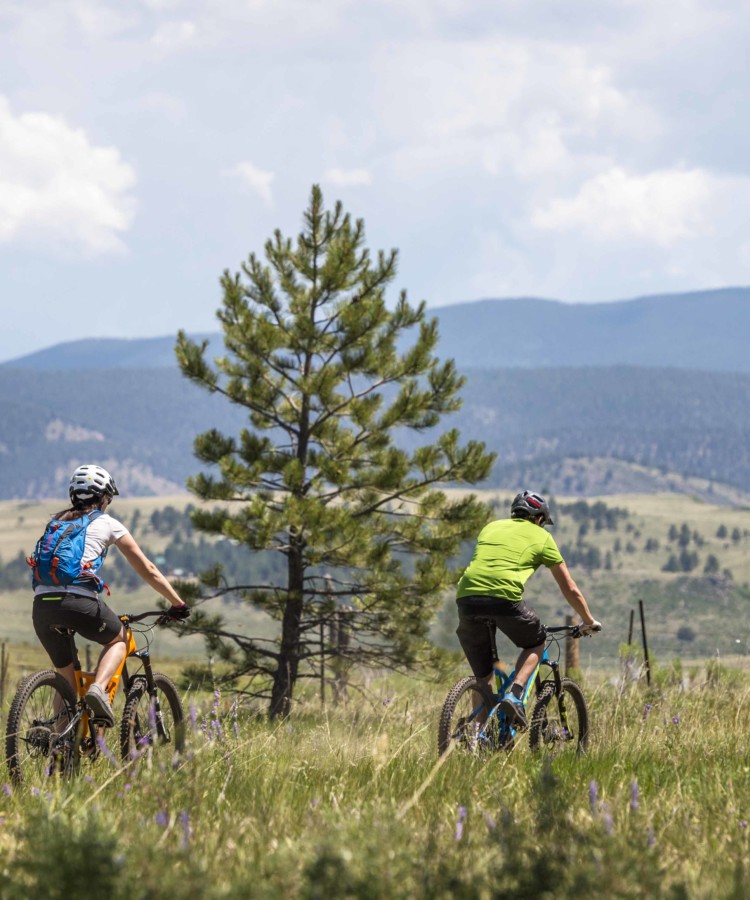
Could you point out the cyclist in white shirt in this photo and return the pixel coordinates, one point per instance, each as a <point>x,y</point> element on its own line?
<point>79,605</point>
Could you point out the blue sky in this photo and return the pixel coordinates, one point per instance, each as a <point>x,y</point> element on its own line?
<point>586,151</point>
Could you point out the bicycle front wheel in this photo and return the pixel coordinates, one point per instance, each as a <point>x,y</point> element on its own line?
<point>38,739</point>
<point>465,721</point>
<point>560,721</point>
<point>152,721</point>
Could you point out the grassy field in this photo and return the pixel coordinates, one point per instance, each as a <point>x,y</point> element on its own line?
<point>713,606</point>
<point>353,802</point>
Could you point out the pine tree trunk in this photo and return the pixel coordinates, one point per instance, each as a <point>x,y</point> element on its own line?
<point>285,676</point>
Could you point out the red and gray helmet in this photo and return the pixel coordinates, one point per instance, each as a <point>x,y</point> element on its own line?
<point>91,483</point>
<point>529,505</point>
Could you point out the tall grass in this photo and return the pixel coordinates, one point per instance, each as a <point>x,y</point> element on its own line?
<point>353,802</point>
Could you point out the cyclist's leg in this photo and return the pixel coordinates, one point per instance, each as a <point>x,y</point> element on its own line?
<point>476,642</point>
<point>527,661</point>
<point>111,658</point>
<point>521,624</point>
<point>45,616</point>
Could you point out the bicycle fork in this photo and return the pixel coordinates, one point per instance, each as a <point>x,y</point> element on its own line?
<point>156,720</point>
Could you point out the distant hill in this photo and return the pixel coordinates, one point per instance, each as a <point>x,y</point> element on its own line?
<point>707,330</point>
<point>544,424</point>
<point>104,353</point>
<point>704,330</point>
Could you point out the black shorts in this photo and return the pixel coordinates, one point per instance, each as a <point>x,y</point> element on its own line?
<point>514,618</point>
<point>89,617</point>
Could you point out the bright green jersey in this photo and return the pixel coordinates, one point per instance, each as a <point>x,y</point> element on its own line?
<point>507,554</point>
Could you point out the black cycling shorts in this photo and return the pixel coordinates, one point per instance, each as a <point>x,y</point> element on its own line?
<point>514,618</point>
<point>87,616</point>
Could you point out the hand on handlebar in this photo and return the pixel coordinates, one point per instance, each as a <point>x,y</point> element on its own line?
<point>178,612</point>
<point>174,614</point>
<point>593,628</point>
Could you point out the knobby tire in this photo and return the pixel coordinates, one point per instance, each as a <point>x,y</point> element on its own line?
<point>547,731</point>
<point>139,730</point>
<point>32,744</point>
<point>455,728</point>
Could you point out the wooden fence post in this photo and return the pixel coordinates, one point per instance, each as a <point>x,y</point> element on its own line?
<point>630,627</point>
<point>628,660</point>
<point>645,644</point>
<point>571,648</point>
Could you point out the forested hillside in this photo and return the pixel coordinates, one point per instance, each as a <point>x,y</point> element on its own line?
<point>540,422</point>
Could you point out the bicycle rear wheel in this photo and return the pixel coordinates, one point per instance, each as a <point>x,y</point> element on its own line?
<point>152,721</point>
<point>42,709</point>
<point>465,721</point>
<point>560,722</point>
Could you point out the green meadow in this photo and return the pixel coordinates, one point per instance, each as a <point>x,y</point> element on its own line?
<point>353,801</point>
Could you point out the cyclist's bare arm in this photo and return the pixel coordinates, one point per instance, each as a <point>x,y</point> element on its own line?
<point>147,570</point>
<point>571,592</point>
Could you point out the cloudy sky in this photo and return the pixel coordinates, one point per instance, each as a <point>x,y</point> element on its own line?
<point>585,151</point>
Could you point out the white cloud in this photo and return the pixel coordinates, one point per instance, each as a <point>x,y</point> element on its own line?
<point>57,188</point>
<point>522,108</point>
<point>256,180</point>
<point>173,36</point>
<point>101,22</point>
<point>349,177</point>
<point>663,207</point>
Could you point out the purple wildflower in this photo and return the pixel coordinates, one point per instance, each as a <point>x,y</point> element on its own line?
<point>235,725</point>
<point>593,797</point>
<point>743,823</point>
<point>460,822</point>
<point>184,818</point>
<point>193,711</point>
<point>152,717</point>
<point>105,751</point>
<point>634,796</point>
<point>646,711</point>
<point>6,788</point>
<point>675,720</point>
<point>35,792</point>
<point>607,820</point>
<point>161,818</point>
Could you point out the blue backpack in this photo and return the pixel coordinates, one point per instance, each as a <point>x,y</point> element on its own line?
<point>57,560</point>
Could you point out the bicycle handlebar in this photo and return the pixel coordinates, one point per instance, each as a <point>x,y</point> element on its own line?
<point>575,631</point>
<point>138,617</point>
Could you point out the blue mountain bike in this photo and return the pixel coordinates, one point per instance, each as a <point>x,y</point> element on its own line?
<point>473,721</point>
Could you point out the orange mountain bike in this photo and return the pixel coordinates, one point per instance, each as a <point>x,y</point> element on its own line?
<point>50,728</point>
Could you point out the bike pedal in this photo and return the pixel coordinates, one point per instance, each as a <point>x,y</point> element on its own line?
<point>102,723</point>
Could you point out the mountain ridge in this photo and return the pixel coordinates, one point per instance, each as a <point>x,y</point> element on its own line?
<point>703,330</point>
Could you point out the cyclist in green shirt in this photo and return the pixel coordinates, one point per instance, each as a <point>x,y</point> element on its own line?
<point>507,553</point>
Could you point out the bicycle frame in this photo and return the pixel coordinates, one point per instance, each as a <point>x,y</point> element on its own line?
<point>504,680</point>
<point>83,722</point>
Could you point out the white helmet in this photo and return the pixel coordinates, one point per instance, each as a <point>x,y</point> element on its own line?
<point>91,483</point>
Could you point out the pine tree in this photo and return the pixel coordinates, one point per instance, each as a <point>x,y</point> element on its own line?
<point>329,380</point>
